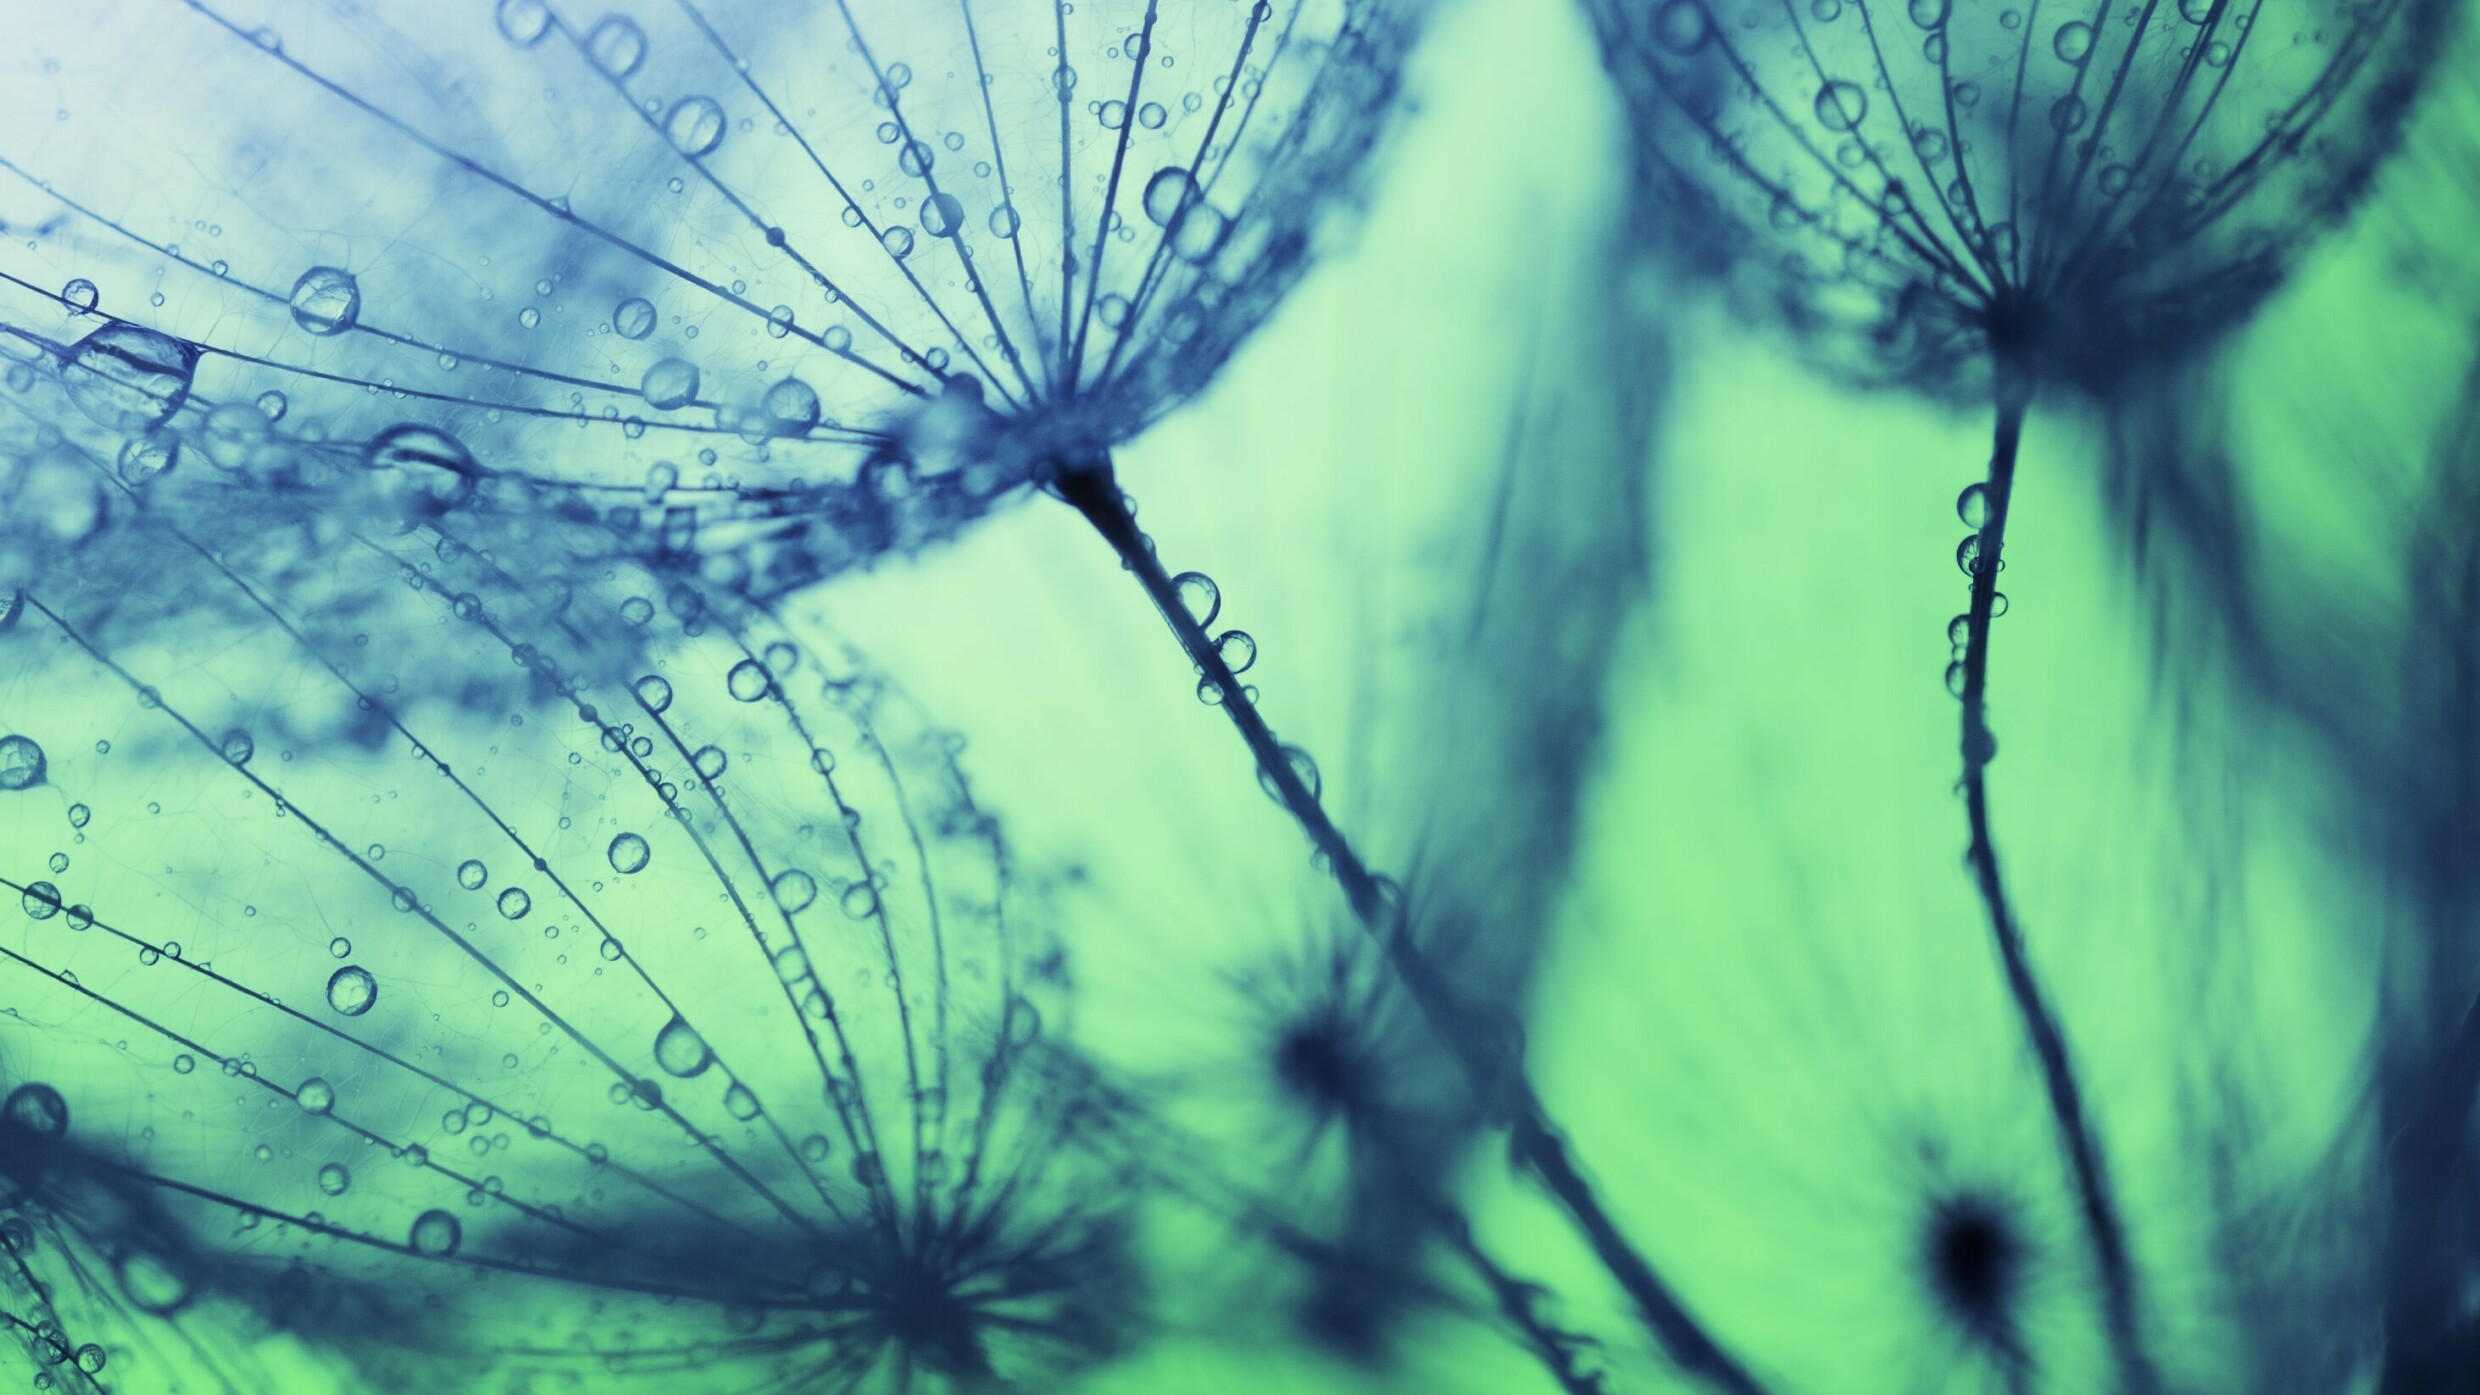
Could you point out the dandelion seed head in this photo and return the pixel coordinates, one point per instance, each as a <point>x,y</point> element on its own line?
<point>1917,188</point>
<point>755,255</point>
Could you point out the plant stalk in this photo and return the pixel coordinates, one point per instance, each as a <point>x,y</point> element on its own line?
<point>1486,1049</point>
<point>2094,1195</point>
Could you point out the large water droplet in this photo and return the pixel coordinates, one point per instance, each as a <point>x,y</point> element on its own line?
<point>1199,596</point>
<point>437,1234</point>
<point>792,406</point>
<point>694,126</point>
<point>21,762</point>
<point>351,990</point>
<point>2073,42</point>
<point>1682,26</point>
<point>628,854</point>
<point>670,384</point>
<point>616,45</point>
<point>942,215</point>
<point>326,300</point>
<point>524,22</point>
<point>129,379</point>
<point>36,1112</point>
<point>315,1096</point>
<point>633,318</point>
<point>1169,191</point>
<point>679,1050</point>
<point>1841,106</point>
<point>335,1179</point>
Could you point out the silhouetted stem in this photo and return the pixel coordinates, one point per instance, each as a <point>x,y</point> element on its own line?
<point>2428,1344</point>
<point>2049,1045</point>
<point>1558,1350</point>
<point>1484,1047</point>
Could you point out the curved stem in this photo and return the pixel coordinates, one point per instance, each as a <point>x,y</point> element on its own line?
<point>1485,1047</point>
<point>2049,1045</point>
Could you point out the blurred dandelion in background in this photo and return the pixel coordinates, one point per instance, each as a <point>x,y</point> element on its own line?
<point>1992,199</point>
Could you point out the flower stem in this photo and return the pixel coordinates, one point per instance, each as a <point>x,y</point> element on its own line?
<point>2049,1045</point>
<point>1486,1049</point>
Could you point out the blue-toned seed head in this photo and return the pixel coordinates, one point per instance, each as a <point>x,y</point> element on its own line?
<point>2086,189</point>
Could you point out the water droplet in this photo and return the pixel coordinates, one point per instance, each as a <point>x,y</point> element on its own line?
<point>1682,26</point>
<point>655,691</point>
<point>1003,221</point>
<point>1170,191</point>
<point>150,1283</point>
<point>792,406</point>
<point>670,384</point>
<point>436,1233</point>
<point>616,45</point>
<point>129,379</point>
<point>237,746</point>
<point>748,680</point>
<point>334,1179</point>
<point>1199,596</point>
<point>41,900</point>
<point>80,296</point>
<point>942,215</point>
<point>680,1051</point>
<point>1237,649</point>
<point>1303,768</point>
<point>315,1096</point>
<point>740,1103</point>
<point>471,874</point>
<point>1152,116</point>
<point>21,762</point>
<point>1931,14</point>
<point>514,903</point>
<point>628,854</point>
<point>1842,106</point>
<point>898,241</point>
<point>36,1111</point>
<point>694,126</point>
<point>351,990</point>
<point>524,22</point>
<point>1972,505</point>
<point>326,300</point>
<point>633,318</point>
<point>2196,11</point>
<point>2073,42</point>
<point>142,458</point>
<point>794,891</point>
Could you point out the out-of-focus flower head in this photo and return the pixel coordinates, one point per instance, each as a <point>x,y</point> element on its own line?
<point>2087,187</point>
<point>680,1021</point>
<point>758,293</point>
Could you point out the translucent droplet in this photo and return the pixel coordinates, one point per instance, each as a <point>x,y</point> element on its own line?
<point>628,854</point>
<point>80,296</point>
<point>471,874</point>
<point>1169,192</point>
<point>237,746</point>
<point>41,900</point>
<point>1237,649</point>
<point>1682,26</point>
<point>794,891</point>
<point>680,1051</point>
<point>1842,106</point>
<point>326,300</point>
<point>150,1283</point>
<point>898,241</point>
<point>514,903</point>
<point>1972,505</point>
<point>142,458</point>
<point>129,379</point>
<point>792,406</point>
<point>1152,116</point>
<point>2073,42</point>
<point>748,681</point>
<point>670,384</point>
<point>2196,11</point>
<point>21,762</point>
<point>351,990</point>
<point>633,318</point>
<point>1930,14</point>
<point>315,1096</point>
<point>942,215</point>
<point>436,1233</point>
<point>740,1103</point>
<point>1003,221</point>
<point>616,45</point>
<point>340,948</point>
<point>524,22</point>
<point>36,1111</point>
<point>335,1179</point>
<point>1199,596</point>
<point>428,469</point>
<point>1303,768</point>
<point>694,126</point>
<point>655,691</point>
